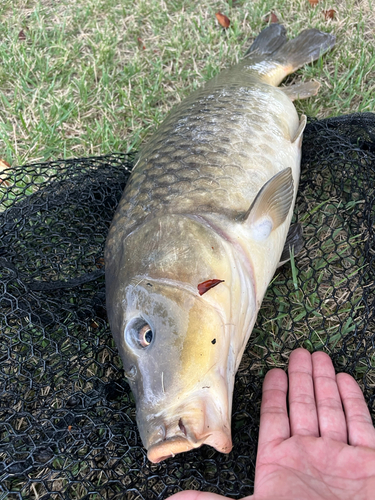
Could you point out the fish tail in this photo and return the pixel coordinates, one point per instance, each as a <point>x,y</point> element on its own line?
<point>272,57</point>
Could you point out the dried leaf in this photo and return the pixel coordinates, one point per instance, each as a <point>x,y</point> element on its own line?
<point>99,262</point>
<point>140,43</point>
<point>271,18</point>
<point>313,2</point>
<point>329,14</point>
<point>3,165</point>
<point>223,20</point>
<point>21,35</point>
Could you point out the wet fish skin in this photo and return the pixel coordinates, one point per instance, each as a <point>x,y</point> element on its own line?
<point>180,163</point>
<point>211,197</point>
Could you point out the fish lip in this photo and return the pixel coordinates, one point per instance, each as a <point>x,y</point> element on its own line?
<point>169,448</point>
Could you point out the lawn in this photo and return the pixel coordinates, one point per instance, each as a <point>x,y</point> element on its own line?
<point>88,77</point>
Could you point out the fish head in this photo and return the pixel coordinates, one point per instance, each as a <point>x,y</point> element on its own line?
<point>171,347</point>
<point>175,344</point>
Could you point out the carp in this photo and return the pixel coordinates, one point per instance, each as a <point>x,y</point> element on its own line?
<point>203,223</point>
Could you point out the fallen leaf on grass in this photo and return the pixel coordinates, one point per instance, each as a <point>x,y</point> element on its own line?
<point>3,165</point>
<point>140,43</point>
<point>271,18</point>
<point>223,20</point>
<point>329,14</point>
<point>313,2</point>
<point>21,35</point>
<point>99,262</point>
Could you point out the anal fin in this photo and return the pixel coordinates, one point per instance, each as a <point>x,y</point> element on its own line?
<point>302,90</point>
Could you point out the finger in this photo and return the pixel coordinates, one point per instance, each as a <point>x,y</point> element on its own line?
<point>274,421</point>
<point>361,431</point>
<point>331,418</point>
<point>196,495</point>
<point>302,409</point>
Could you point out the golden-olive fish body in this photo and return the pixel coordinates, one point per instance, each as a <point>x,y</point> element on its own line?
<point>197,236</point>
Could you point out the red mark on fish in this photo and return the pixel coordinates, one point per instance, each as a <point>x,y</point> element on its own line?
<point>206,285</point>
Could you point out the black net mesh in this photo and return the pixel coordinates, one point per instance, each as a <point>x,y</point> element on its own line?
<point>67,416</point>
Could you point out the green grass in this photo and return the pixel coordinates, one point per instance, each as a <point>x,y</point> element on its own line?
<point>96,76</point>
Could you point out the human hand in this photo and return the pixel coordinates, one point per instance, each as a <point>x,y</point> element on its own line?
<point>318,452</point>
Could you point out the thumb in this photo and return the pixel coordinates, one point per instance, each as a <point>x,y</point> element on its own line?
<point>196,495</point>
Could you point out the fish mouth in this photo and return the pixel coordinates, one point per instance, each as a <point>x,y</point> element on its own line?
<point>201,417</point>
<point>168,448</point>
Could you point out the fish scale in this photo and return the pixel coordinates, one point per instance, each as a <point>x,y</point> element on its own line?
<point>198,234</point>
<point>205,159</point>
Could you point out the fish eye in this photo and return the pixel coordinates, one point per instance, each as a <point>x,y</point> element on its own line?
<point>138,333</point>
<point>145,336</point>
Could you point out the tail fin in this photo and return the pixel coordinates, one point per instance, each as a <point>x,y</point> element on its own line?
<point>273,57</point>
<point>268,41</point>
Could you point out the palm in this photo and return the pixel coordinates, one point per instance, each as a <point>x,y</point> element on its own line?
<point>312,468</point>
<point>317,452</point>
<point>306,455</point>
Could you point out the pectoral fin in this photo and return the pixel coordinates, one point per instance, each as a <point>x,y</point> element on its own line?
<point>271,205</point>
<point>293,240</point>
